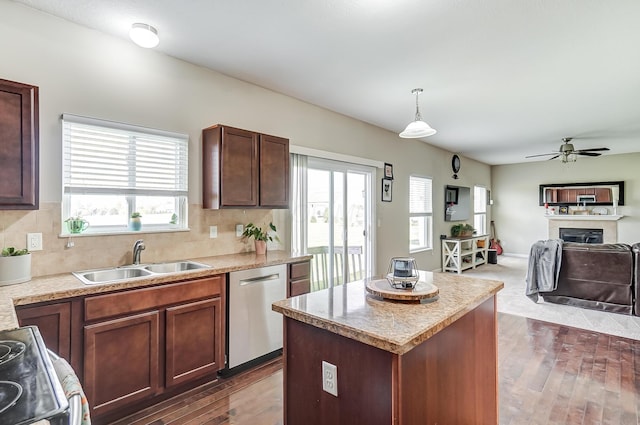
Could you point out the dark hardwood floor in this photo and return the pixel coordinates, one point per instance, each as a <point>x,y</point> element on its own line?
<point>548,373</point>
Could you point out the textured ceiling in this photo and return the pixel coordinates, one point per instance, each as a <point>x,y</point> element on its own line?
<point>502,79</point>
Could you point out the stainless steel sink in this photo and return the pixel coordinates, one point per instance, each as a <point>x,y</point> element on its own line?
<point>111,275</point>
<point>119,274</point>
<point>178,266</point>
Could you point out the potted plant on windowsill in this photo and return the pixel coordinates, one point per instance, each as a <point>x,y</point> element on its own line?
<point>260,236</point>
<point>462,230</point>
<point>15,266</point>
<point>135,222</point>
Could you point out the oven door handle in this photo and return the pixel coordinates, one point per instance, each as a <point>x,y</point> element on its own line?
<point>75,402</point>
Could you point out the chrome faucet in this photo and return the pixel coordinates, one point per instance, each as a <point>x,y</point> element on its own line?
<point>137,249</point>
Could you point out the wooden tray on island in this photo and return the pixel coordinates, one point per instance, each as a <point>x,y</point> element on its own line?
<point>382,288</point>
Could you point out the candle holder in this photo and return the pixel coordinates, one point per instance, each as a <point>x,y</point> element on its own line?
<point>403,273</point>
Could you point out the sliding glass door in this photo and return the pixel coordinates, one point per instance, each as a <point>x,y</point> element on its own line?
<point>338,222</point>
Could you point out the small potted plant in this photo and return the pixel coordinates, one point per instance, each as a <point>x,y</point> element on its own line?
<point>260,236</point>
<point>15,266</point>
<point>462,230</point>
<point>76,224</point>
<point>135,223</point>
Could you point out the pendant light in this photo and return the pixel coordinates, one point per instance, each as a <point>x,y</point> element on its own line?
<point>417,128</point>
<point>144,35</point>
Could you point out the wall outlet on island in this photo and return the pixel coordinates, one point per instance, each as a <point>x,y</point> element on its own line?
<point>213,232</point>
<point>239,230</point>
<point>330,378</point>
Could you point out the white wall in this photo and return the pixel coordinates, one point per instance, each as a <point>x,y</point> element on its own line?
<point>520,219</point>
<point>88,73</point>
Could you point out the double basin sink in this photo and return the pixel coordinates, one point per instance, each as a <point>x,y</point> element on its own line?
<point>119,274</point>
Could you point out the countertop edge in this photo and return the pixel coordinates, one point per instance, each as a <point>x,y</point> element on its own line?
<point>397,347</point>
<point>22,294</point>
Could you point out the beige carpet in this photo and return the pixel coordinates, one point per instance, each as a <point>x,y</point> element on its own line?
<point>512,271</point>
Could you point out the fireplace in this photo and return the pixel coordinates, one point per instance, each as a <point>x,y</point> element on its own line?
<point>581,235</point>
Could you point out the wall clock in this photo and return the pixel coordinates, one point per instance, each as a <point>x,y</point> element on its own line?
<point>455,165</point>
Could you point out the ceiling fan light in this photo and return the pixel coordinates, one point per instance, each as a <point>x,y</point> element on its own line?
<point>417,129</point>
<point>144,35</point>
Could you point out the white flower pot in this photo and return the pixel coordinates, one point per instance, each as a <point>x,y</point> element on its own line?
<point>15,269</point>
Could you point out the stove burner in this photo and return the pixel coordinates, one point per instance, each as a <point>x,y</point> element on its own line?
<point>4,350</point>
<point>10,392</point>
<point>9,350</point>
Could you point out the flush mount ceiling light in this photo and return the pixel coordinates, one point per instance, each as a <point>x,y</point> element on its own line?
<point>144,35</point>
<point>417,128</point>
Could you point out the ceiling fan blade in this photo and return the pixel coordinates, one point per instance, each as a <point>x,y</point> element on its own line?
<point>593,150</point>
<point>587,153</point>
<point>557,156</point>
<point>542,154</point>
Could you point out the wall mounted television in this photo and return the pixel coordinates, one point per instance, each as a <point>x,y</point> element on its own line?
<point>457,203</point>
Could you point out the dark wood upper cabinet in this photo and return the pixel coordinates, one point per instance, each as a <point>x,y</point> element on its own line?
<point>19,188</point>
<point>274,172</point>
<point>244,169</point>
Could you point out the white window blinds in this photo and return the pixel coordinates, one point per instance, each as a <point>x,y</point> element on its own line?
<point>102,157</point>
<point>419,195</point>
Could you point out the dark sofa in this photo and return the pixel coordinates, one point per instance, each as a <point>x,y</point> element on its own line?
<point>598,276</point>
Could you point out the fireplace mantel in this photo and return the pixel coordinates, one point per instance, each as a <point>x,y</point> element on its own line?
<point>608,224</point>
<point>584,217</point>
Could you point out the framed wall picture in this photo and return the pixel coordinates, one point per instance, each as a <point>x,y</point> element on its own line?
<point>387,190</point>
<point>388,171</point>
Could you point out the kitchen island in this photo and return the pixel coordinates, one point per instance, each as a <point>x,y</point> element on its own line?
<point>429,362</point>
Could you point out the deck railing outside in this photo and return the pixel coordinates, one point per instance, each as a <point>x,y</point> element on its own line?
<point>320,264</point>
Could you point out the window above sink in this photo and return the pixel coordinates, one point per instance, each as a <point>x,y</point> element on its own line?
<point>113,170</point>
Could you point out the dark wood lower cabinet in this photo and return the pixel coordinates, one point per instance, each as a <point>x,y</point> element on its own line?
<point>54,323</point>
<point>146,344</point>
<point>135,347</point>
<point>121,361</point>
<point>193,344</point>
<point>299,278</point>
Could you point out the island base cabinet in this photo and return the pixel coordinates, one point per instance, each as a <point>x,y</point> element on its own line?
<point>364,377</point>
<point>121,361</point>
<point>450,378</point>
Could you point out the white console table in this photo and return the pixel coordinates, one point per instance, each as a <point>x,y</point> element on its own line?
<point>459,254</point>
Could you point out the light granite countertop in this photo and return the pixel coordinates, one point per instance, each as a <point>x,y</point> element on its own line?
<point>349,310</point>
<point>65,285</point>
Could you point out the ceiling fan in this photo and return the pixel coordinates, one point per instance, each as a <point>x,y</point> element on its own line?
<point>568,153</point>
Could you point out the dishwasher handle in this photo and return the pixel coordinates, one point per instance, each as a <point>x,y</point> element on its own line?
<point>259,279</point>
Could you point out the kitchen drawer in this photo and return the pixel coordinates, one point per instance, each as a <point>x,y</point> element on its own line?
<point>298,270</point>
<point>298,287</point>
<point>136,300</point>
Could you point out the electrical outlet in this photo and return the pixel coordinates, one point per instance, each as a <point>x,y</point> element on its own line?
<point>239,230</point>
<point>330,378</point>
<point>213,232</point>
<point>34,241</point>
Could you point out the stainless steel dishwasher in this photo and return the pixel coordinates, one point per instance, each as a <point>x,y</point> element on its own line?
<point>254,329</point>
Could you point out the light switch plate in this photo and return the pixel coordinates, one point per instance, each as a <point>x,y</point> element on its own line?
<point>239,230</point>
<point>213,232</point>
